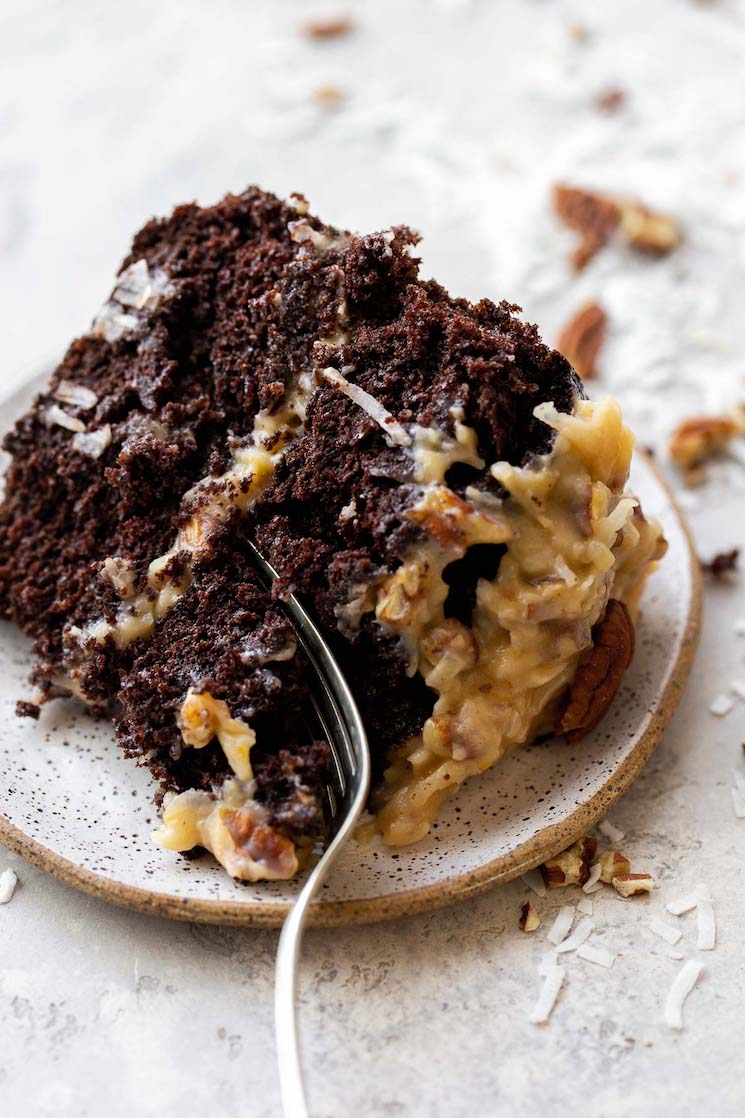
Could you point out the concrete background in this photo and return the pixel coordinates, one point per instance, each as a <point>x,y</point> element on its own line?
<point>455,117</point>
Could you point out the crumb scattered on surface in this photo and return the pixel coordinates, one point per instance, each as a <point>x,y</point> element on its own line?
<point>26,709</point>
<point>329,96</point>
<point>611,100</point>
<point>334,27</point>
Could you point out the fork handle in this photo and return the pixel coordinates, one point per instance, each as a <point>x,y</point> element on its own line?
<point>292,1090</point>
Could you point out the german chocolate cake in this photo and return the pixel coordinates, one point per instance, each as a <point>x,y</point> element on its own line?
<point>424,472</point>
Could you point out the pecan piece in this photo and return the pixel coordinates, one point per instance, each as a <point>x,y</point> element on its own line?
<point>613,864</point>
<point>581,339</point>
<point>698,439</point>
<point>633,884</point>
<point>529,918</point>
<point>599,676</point>
<point>648,230</point>
<point>594,217</point>
<point>572,866</point>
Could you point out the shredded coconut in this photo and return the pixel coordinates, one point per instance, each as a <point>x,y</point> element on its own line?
<point>721,706</point>
<point>667,931</point>
<point>562,925</point>
<point>585,906</point>
<point>738,803</point>
<point>136,288</point>
<point>606,828</point>
<point>707,931</point>
<point>679,991</point>
<point>8,882</point>
<point>689,901</point>
<point>57,416</point>
<point>578,936</point>
<point>92,443</point>
<point>740,627</point>
<point>737,687</point>
<point>76,394</point>
<point>593,879</point>
<point>593,954</point>
<point>395,435</point>
<point>548,961</point>
<point>552,984</point>
<point>534,880</point>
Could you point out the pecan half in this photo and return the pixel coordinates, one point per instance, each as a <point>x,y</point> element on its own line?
<point>581,339</point>
<point>599,676</point>
<point>594,216</point>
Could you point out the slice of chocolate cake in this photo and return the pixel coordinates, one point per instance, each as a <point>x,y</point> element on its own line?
<point>425,472</point>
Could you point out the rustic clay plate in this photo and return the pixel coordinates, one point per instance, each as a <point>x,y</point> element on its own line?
<point>73,805</point>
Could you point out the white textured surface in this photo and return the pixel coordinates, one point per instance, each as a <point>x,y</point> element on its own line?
<point>459,116</point>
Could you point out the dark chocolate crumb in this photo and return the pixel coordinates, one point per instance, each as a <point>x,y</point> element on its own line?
<point>721,564</point>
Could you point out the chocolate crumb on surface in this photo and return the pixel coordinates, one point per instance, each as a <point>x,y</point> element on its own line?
<point>27,710</point>
<point>721,564</point>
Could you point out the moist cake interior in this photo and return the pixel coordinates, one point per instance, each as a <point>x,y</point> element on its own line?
<point>424,471</point>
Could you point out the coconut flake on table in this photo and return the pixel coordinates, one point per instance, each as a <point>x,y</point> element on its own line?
<point>8,882</point>
<point>562,925</point>
<point>606,828</point>
<point>577,938</point>
<point>592,953</point>
<point>585,906</point>
<point>665,930</point>
<point>684,982</point>
<point>689,901</point>
<point>395,435</point>
<point>721,706</point>
<point>594,879</point>
<point>55,416</point>
<point>534,880</point>
<point>707,928</point>
<point>737,687</point>
<point>740,627</point>
<point>738,803</point>
<point>552,983</point>
<point>547,962</point>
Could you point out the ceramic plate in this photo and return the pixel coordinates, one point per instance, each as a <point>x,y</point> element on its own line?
<point>73,805</point>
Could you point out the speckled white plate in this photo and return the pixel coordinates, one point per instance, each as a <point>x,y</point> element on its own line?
<point>73,805</point>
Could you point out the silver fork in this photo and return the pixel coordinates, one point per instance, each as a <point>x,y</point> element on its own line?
<point>342,725</point>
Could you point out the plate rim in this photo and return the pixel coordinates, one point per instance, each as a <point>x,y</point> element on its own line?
<point>367,910</point>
